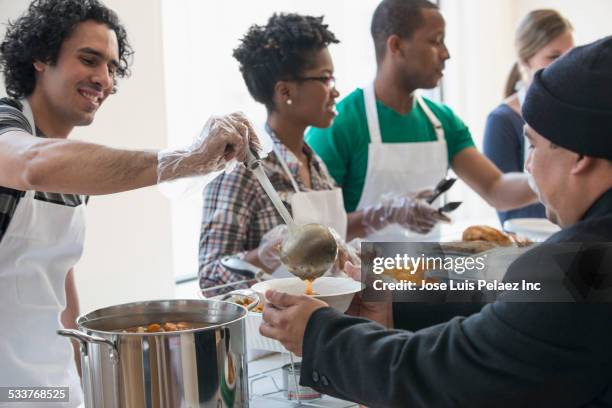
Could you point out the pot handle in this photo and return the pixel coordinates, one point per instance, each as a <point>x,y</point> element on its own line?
<point>84,338</point>
<point>250,293</point>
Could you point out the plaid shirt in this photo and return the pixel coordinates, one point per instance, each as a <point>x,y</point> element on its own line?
<point>237,212</point>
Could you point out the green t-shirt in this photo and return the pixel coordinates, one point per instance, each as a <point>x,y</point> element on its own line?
<point>344,145</point>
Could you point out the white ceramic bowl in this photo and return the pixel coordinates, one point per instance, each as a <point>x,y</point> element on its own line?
<point>336,292</point>
<point>537,229</point>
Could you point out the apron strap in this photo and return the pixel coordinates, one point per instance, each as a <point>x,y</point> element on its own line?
<point>432,118</point>
<point>369,100</point>
<point>27,112</point>
<point>286,168</point>
<point>282,161</point>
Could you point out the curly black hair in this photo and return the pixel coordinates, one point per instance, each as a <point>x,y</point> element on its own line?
<point>38,36</point>
<point>280,50</point>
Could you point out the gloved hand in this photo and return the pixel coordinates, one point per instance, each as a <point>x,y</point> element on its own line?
<point>221,144</point>
<point>346,253</point>
<point>269,248</point>
<point>410,211</point>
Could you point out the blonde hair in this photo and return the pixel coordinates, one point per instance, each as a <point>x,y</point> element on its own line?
<point>537,29</point>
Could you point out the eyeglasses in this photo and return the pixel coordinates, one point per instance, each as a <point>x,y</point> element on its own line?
<point>328,81</point>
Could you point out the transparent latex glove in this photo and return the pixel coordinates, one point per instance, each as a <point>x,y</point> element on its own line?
<point>410,211</point>
<point>221,144</point>
<point>346,252</point>
<point>355,245</point>
<point>270,247</point>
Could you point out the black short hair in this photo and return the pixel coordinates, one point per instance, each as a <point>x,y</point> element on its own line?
<point>399,17</point>
<point>280,50</point>
<point>39,34</point>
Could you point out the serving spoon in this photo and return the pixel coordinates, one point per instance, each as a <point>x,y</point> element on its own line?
<point>309,250</point>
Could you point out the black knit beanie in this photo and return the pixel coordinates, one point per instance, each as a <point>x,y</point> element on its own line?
<point>570,101</point>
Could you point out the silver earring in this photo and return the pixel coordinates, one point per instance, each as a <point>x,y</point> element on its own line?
<point>289,102</point>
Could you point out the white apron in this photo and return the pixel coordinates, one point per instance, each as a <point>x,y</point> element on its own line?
<point>400,168</point>
<point>325,207</point>
<point>43,241</point>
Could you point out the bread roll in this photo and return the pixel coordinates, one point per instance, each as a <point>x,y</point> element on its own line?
<point>486,233</point>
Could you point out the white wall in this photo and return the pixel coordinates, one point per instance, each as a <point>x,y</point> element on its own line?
<point>590,18</point>
<point>128,253</point>
<point>480,37</point>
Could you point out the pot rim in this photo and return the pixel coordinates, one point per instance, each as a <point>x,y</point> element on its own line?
<point>81,327</point>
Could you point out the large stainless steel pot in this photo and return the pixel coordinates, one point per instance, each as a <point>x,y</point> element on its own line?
<point>205,367</point>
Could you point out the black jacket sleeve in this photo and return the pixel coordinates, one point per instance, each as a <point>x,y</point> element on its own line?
<point>510,354</point>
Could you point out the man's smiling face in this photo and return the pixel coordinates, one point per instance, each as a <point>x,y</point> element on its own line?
<point>83,75</point>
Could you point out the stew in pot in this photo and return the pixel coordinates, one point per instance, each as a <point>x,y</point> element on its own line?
<point>164,327</point>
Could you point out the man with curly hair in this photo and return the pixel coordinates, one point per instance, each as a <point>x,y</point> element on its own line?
<point>60,62</point>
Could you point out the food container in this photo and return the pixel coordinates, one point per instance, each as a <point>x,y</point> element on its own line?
<point>199,367</point>
<point>290,376</point>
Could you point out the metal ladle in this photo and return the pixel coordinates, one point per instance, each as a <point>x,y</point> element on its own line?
<point>309,250</point>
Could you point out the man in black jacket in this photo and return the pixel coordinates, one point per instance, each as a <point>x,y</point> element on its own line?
<point>511,353</point>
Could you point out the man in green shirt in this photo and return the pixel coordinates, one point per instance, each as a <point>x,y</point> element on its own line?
<point>344,145</point>
<point>415,140</point>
